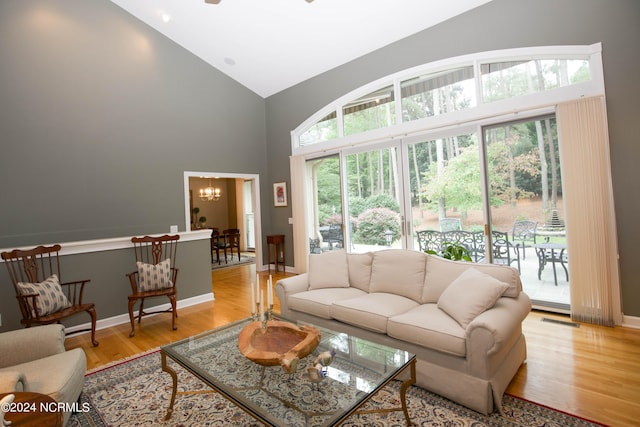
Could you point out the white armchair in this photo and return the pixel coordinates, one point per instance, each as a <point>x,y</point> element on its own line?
<point>35,359</point>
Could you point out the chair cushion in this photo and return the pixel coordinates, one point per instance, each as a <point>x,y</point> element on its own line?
<point>328,270</point>
<point>154,277</point>
<point>60,376</point>
<point>50,297</point>
<point>470,294</point>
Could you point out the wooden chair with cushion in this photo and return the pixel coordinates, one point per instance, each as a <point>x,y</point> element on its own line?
<point>156,275</point>
<point>42,295</point>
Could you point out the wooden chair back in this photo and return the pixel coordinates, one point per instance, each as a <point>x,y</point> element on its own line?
<point>153,250</point>
<point>216,245</point>
<point>232,238</point>
<point>35,266</point>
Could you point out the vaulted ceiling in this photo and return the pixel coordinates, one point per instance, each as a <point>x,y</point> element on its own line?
<point>270,45</point>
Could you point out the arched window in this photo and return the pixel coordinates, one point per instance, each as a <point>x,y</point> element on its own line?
<point>456,90</point>
<point>473,139</point>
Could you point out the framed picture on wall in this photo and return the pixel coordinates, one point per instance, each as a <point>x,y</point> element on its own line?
<point>280,194</point>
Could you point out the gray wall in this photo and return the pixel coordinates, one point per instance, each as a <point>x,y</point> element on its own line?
<point>100,115</point>
<point>503,24</point>
<point>109,286</point>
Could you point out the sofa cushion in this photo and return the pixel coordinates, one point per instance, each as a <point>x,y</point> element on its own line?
<point>328,270</point>
<point>387,266</point>
<point>51,298</point>
<point>318,301</point>
<point>429,327</point>
<point>360,270</point>
<point>470,294</point>
<point>442,272</point>
<point>371,311</point>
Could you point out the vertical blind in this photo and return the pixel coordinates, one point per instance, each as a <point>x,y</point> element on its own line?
<point>590,212</point>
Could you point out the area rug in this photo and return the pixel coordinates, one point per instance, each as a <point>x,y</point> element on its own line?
<point>136,392</point>
<point>233,261</point>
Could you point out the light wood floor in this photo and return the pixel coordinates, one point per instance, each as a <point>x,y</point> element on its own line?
<point>589,371</point>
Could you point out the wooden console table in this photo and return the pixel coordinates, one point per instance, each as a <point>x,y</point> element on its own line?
<point>273,241</point>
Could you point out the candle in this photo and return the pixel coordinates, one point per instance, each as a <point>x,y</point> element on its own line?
<point>253,299</point>
<point>270,293</point>
<point>261,315</point>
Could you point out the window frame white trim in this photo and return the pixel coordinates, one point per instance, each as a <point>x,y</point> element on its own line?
<point>533,101</point>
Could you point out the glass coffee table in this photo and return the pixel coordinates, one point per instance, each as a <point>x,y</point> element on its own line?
<point>360,368</point>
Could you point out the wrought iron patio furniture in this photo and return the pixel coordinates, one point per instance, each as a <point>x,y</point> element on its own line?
<point>524,232</point>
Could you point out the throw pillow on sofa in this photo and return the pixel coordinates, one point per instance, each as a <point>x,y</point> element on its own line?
<point>328,270</point>
<point>472,293</point>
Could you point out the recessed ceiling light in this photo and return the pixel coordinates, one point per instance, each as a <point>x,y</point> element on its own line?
<point>229,61</point>
<point>165,17</point>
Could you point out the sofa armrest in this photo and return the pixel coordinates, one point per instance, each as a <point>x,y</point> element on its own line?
<point>288,286</point>
<point>495,331</point>
<point>11,381</point>
<point>25,345</point>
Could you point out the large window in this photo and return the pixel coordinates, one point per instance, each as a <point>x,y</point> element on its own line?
<point>438,93</point>
<point>470,150</point>
<point>503,80</point>
<point>441,94</point>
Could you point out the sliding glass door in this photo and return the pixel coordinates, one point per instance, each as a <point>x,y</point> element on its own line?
<point>526,209</point>
<point>373,181</point>
<point>445,189</point>
<point>499,196</point>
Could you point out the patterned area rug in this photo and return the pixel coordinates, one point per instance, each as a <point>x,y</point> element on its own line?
<point>136,392</point>
<point>232,261</point>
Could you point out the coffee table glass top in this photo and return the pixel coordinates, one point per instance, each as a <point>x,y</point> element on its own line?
<point>359,369</point>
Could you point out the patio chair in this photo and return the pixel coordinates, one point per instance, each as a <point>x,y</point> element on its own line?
<point>524,231</point>
<point>504,252</point>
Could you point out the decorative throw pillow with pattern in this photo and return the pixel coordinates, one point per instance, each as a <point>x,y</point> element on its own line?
<point>154,277</point>
<point>50,297</point>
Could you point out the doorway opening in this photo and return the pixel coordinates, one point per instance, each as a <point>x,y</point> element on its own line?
<point>235,205</point>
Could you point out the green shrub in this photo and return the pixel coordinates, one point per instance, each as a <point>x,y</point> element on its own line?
<point>357,205</point>
<point>382,201</point>
<point>372,224</point>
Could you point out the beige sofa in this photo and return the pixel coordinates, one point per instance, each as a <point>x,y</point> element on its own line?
<point>462,320</point>
<point>34,359</point>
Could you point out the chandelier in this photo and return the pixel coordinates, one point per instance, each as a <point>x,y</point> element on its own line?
<point>208,194</point>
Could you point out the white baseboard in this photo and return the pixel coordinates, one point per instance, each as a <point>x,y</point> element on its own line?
<point>631,321</point>
<point>124,318</point>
